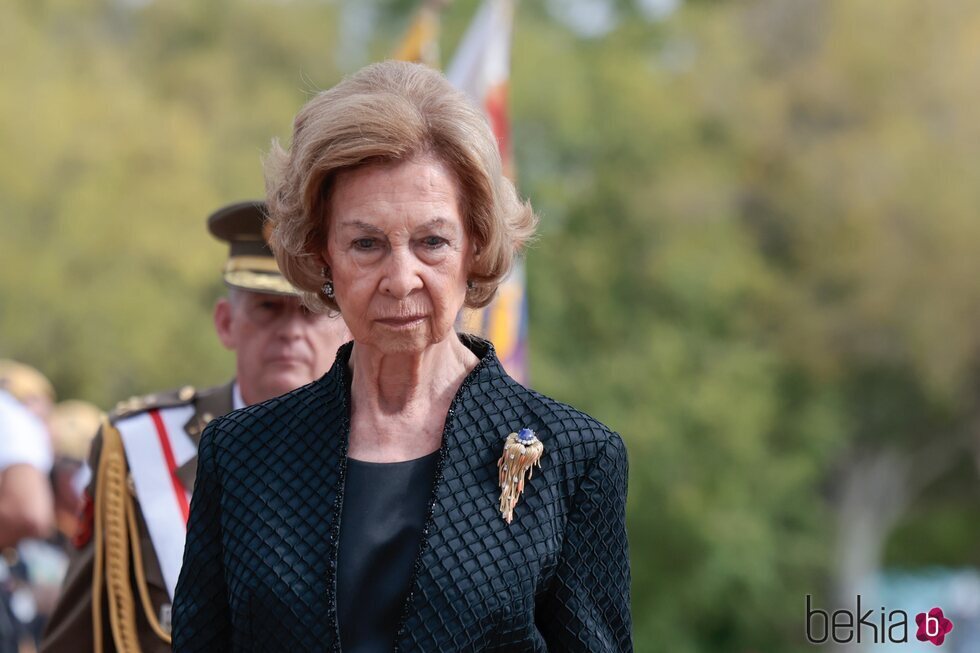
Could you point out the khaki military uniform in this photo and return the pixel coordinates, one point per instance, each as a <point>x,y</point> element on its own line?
<point>114,575</point>
<point>70,629</point>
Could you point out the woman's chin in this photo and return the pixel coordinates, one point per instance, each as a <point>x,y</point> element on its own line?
<point>402,341</point>
<point>403,344</point>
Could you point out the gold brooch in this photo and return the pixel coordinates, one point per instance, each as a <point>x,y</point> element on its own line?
<point>522,451</point>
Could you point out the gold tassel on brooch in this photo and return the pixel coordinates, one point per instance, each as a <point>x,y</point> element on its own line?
<point>522,452</point>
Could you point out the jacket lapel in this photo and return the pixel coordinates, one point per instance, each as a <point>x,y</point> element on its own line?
<point>468,457</point>
<point>209,404</point>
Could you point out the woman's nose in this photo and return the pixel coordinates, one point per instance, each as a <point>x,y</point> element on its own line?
<point>401,274</point>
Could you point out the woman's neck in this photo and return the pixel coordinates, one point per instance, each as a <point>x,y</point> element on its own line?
<point>399,400</point>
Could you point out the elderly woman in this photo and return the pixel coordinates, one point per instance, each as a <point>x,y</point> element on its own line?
<point>391,504</point>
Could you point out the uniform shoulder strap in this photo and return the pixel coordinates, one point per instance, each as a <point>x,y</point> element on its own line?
<point>140,404</point>
<point>116,537</point>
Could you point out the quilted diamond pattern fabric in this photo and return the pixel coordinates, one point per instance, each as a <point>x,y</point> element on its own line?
<point>260,561</point>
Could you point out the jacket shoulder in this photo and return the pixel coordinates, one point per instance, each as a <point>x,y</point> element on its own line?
<point>170,399</point>
<point>137,405</point>
<point>566,432</point>
<point>565,423</point>
<point>268,420</point>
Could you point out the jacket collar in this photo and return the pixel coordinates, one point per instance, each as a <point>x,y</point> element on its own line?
<point>464,444</point>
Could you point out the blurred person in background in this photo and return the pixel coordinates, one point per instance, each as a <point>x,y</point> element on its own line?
<point>26,511</point>
<point>144,459</point>
<point>26,505</point>
<point>73,425</point>
<point>26,456</point>
<point>31,388</point>
<point>37,576</point>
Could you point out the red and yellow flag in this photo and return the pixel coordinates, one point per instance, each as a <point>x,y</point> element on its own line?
<point>421,42</point>
<point>481,68</point>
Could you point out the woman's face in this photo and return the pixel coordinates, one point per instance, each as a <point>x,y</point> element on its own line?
<point>398,253</point>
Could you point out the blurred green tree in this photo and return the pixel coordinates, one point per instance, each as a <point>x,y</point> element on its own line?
<point>758,264</point>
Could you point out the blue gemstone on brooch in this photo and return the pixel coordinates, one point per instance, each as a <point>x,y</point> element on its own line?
<point>526,436</point>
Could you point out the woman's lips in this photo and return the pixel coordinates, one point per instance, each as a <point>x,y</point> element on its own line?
<point>401,322</point>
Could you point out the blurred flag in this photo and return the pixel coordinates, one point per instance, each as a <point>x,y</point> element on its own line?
<point>421,42</point>
<point>481,68</point>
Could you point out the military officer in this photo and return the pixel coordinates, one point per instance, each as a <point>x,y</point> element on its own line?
<point>119,587</point>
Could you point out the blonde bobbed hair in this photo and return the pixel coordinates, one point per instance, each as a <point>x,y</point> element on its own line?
<point>24,382</point>
<point>388,112</point>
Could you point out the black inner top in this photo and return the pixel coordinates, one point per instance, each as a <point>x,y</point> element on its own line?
<point>380,531</point>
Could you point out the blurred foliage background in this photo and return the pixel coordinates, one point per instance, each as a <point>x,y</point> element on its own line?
<point>759,254</point>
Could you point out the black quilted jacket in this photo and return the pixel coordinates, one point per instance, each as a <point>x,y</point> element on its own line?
<point>260,561</point>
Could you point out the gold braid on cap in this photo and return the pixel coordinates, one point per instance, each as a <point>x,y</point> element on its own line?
<point>252,264</point>
<point>522,451</point>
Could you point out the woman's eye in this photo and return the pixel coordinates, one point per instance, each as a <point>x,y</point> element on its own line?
<point>433,242</point>
<point>364,243</point>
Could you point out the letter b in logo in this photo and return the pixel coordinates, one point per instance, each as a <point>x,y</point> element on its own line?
<point>933,626</point>
<point>810,614</point>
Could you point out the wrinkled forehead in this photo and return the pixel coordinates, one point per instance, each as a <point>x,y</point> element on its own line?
<point>342,176</point>
<point>418,190</point>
